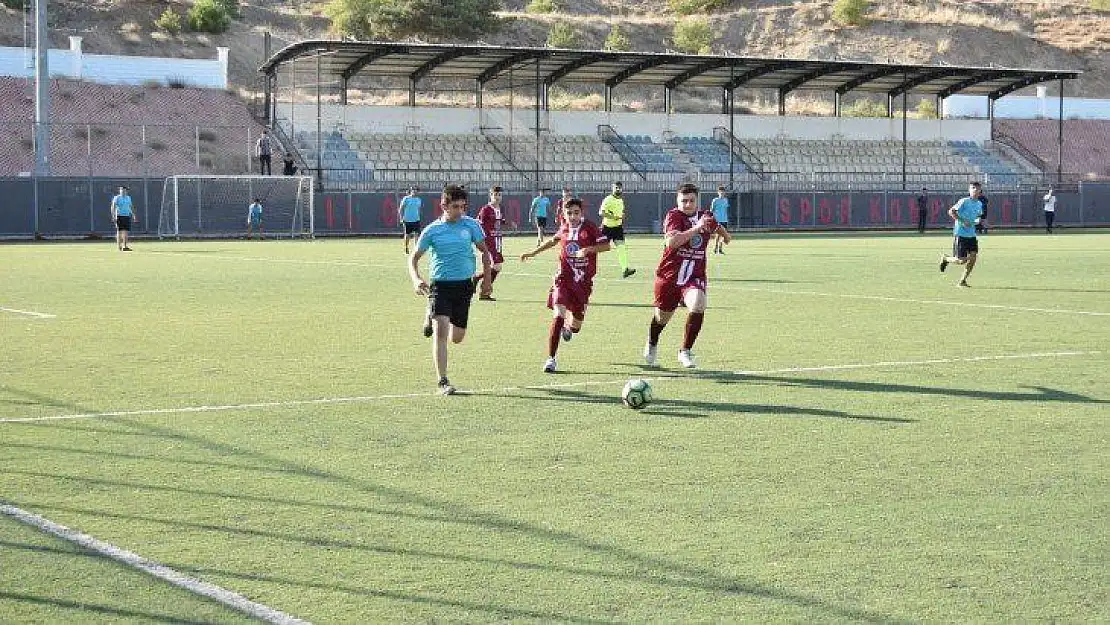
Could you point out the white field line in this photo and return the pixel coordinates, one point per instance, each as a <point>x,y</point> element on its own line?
<point>731,287</point>
<point>228,598</point>
<point>535,387</point>
<point>29,313</point>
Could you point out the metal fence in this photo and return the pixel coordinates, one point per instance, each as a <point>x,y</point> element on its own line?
<point>131,150</point>
<point>78,207</point>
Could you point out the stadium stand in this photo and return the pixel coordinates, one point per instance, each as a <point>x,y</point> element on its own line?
<point>112,130</point>
<point>708,155</point>
<point>1086,144</point>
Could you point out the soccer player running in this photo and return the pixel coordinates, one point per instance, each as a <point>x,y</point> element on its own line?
<point>123,215</point>
<point>254,218</point>
<point>452,266</point>
<point>409,214</point>
<point>719,206</point>
<point>537,213</point>
<point>491,219</point>
<point>680,277</point>
<point>966,246</point>
<point>612,226</point>
<point>579,242</point>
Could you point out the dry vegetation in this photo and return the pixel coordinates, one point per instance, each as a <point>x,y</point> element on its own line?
<point>1063,34</point>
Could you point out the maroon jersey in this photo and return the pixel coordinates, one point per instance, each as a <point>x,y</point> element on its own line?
<point>683,265</point>
<point>491,219</point>
<point>578,270</point>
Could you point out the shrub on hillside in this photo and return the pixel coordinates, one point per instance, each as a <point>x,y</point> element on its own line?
<point>169,21</point>
<point>691,7</point>
<point>1100,5</point>
<point>231,7</point>
<point>207,16</point>
<point>394,19</point>
<point>927,109</point>
<point>865,107</point>
<point>851,12</point>
<point>541,6</point>
<point>562,35</point>
<point>617,41</point>
<point>693,35</point>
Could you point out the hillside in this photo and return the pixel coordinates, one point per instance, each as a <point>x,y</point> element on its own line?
<point>1062,34</point>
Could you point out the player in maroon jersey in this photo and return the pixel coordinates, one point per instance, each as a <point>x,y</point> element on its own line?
<point>579,242</point>
<point>680,277</point>
<point>491,219</point>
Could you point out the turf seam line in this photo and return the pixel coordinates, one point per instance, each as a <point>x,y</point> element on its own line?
<point>226,597</point>
<point>29,313</point>
<point>535,387</point>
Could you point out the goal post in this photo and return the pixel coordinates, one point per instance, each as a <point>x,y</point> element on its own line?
<point>217,206</point>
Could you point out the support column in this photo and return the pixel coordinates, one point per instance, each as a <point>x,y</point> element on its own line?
<point>1060,138</point>
<point>608,98</point>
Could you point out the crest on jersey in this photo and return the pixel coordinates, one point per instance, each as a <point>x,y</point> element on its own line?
<point>696,241</point>
<point>572,248</point>
<point>464,234</point>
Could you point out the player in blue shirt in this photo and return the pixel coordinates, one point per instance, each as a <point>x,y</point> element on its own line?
<point>965,248</point>
<point>254,218</point>
<point>719,206</point>
<point>409,214</point>
<point>452,267</point>
<point>123,216</point>
<point>537,214</point>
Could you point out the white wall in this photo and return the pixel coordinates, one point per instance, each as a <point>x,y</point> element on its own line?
<point>117,70</point>
<point>1027,107</point>
<point>397,119</point>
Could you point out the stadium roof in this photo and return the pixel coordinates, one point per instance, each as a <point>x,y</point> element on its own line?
<point>416,61</point>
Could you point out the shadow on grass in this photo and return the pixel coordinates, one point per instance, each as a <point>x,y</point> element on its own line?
<point>504,612</point>
<point>642,568</point>
<point>1043,289</point>
<point>29,398</point>
<point>105,611</point>
<point>696,409</point>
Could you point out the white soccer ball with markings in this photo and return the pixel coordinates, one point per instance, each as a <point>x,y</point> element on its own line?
<point>636,394</point>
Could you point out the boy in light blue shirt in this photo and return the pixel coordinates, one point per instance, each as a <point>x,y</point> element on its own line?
<point>409,214</point>
<point>450,239</point>
<point>122,217</point>
<point>254,219</point>
<point>719,206</point>
<point>965,247</point>
<point>538,213</point>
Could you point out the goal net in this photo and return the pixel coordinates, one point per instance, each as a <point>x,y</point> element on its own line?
<point>218,206</point>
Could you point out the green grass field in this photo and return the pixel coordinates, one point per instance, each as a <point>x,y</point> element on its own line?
<point>262,416</point>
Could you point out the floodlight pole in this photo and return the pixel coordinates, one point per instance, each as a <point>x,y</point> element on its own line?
<point>42,92</point>
<point>905,138</point>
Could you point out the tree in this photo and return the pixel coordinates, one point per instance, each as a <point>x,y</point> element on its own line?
<point>617,41</point>
<point>693,35</point>
<point>562,35</point>
<point>851,12</point>
<point>397,19</point>
<point>208,16</point>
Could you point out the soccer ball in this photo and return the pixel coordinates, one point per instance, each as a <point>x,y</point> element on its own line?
<point>636,394</point>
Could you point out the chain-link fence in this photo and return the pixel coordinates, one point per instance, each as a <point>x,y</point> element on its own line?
<point>71,207</point>
<point>148,150</point>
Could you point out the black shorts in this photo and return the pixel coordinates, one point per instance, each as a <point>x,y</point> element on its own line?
<point>451,299</point>
<point>541,222</point>
<point>614,233</point>
<point>123,222</point>
<point>412,227</point>
<point>962,246</point>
